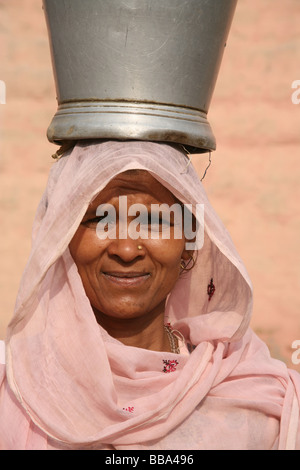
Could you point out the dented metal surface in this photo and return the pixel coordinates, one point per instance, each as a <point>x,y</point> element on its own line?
<point>136,69</point>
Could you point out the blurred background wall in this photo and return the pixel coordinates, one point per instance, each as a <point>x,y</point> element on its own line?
<point>253,181</point>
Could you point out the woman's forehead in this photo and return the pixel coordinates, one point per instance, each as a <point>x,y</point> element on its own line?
<point>135,182</point>
<point>132,178</point>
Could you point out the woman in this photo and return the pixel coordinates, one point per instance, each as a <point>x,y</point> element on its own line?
<point>132,342</point>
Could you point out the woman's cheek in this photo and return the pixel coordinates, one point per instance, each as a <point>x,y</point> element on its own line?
<point>167,251</point>
<point>84,246</point>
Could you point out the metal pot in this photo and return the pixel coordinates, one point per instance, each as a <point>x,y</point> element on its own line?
<point>136,69</point>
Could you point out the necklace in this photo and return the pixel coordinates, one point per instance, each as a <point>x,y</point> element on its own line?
<point>172,340</point>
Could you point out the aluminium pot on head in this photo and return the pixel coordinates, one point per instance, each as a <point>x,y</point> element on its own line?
<point>136,69</point>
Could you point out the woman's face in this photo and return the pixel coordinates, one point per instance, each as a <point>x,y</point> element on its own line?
<point>120,280</point>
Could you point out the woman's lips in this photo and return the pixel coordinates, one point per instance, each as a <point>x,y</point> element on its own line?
<point>126,279</point>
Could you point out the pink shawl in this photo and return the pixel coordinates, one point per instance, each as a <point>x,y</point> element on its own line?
<point>68,385</point>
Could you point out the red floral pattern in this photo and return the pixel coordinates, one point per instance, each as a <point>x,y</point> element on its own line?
<point>170,365</point>
<point>130,409</point>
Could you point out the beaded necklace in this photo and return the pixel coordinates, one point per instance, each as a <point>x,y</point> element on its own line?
<point>173,340</point>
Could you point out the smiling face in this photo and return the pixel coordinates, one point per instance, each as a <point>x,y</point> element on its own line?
<point>127,278</point>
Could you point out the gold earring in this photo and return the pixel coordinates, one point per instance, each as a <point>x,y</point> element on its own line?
<point>185,267</point>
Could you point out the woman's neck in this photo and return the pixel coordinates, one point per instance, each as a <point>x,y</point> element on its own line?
<point>146,331</point>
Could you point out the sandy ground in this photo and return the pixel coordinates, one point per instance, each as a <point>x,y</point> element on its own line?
<point>253,181</point>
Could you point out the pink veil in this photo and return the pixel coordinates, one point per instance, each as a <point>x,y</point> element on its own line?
<point>73,386</point>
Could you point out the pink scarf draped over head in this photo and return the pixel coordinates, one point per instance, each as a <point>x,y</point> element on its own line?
<point>68,384</point>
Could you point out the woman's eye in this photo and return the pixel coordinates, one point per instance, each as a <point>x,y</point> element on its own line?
<point>159,224</point>
<point>93,221</point>
<point>154,224</point>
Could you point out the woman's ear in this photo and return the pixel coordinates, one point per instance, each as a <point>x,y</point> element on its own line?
<point>187,254</point>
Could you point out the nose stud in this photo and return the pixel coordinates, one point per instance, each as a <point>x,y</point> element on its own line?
<point>139,247</point>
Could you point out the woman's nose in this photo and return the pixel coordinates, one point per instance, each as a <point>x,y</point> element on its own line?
<point>126,249</point>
